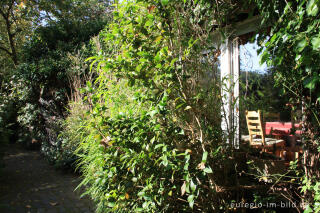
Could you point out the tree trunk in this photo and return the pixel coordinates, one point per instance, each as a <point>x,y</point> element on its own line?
<point>11,51</point>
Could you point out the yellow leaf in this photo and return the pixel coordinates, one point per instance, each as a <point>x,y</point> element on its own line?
<point>21,5</point>
<point>127,196</point>
<point>183,188</point>
<point>158,39</point>
<point>187,107</point>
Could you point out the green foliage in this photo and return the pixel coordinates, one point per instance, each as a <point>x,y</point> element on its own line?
<point>153,142</point>
<point>127,148</point>
<point>258,92</point>
<point>72,133</point>
<point>293,49</point>
<point>314,187</point>
<point>40,85</point>
<point>19,19</point>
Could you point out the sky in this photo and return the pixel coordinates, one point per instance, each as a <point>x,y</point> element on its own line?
<point>249,59</point>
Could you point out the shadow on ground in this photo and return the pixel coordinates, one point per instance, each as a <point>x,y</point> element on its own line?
<point>29,184</point>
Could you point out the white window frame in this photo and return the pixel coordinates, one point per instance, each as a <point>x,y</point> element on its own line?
<point>230,74</point>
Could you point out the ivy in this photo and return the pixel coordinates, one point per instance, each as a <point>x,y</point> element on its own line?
<point>293,49</point>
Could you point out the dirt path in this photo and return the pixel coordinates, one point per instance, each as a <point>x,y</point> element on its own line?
<point>29,184</point>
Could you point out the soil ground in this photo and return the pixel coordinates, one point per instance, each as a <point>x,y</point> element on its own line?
<point>29,184</point>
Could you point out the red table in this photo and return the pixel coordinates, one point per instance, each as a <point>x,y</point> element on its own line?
<point>281,128</point>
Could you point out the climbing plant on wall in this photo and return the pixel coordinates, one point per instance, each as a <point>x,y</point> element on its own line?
<point>293,48</point>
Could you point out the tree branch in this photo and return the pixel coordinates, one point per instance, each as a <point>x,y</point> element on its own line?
<point>6,50</point>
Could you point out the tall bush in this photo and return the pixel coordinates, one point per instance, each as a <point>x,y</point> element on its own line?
<point>155,141</point>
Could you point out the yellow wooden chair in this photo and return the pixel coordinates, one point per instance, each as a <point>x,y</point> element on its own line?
<point>257,137</point>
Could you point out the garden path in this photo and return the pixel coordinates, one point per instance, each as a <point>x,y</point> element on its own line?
<point>29,185</point>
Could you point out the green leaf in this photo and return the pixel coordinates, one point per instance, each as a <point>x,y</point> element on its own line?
<point>273,38</point>
<point>111,204</point>
<point>188,187</point>
<point>138,68</point>
<point>173,61</point>
<point>312,7</point>
<point>186,166</point>
<point>304,189</point>
<point>164,160</point>
<point>191,200</point>
<point>310,83</point>
<point>264,57</point>
<point>208,170</point>
<point>301,45</point>
<point>308,209</point>
<point>315,41</point>
<point>193,186</point>
<point>149,23</point>
<point>260,93</point>
<point>181,132</point>
<point>164,2</point>
<point>158,146</point>
<point>180,105</point>
<point>204,157</point>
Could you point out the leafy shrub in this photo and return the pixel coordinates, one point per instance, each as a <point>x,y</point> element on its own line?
<point>34,89</point>
<point>42,82</point>
<point>155,142</point>
<point>72,134</point>
<point>38,80</point>
<point>125,150</point>
<point>7,109</point>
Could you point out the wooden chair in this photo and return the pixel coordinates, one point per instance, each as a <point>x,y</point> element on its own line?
<point>257,137</point>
